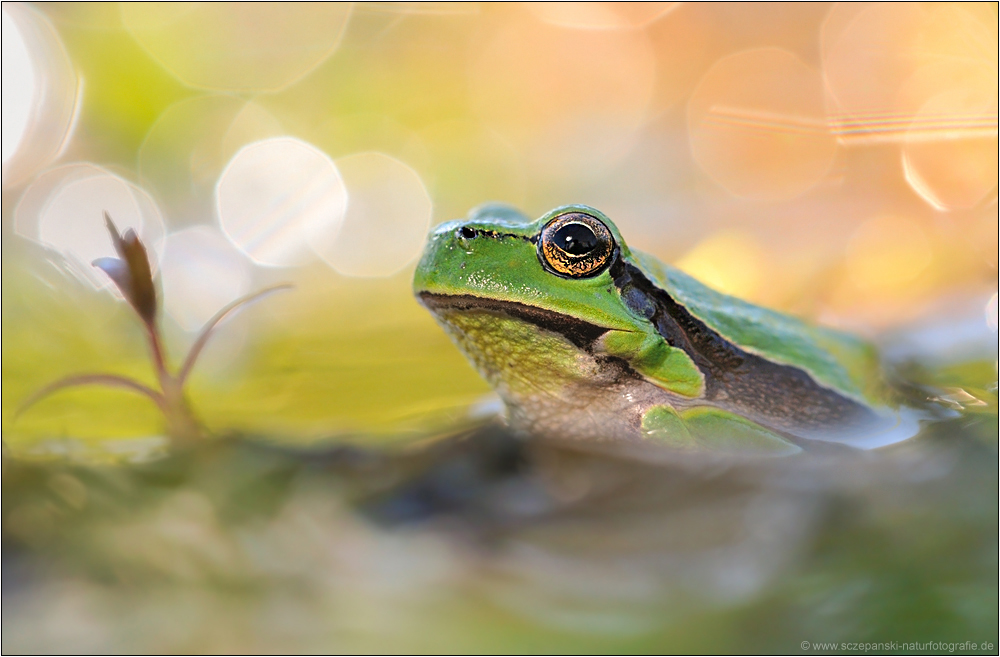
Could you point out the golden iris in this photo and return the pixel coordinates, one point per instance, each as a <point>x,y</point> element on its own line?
<point>575,245</point>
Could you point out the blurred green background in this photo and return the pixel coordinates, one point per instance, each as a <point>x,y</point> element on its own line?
<point>837,161</point>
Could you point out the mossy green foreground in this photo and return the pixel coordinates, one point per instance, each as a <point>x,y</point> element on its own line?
<point>475,543</point>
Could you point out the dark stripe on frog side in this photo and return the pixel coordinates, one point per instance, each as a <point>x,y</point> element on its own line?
<point>580,333</point>
<point>780,395</point>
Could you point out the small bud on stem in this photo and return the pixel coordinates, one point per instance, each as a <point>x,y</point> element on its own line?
<point>132,275</point>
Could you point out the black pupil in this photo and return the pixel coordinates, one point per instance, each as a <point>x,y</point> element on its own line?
<point>575,239</point>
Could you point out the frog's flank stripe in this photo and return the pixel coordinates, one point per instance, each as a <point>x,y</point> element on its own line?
<point>734,376</point>
<point>580,333</point>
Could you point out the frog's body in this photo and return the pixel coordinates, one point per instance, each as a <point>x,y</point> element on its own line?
<point>596,342</point>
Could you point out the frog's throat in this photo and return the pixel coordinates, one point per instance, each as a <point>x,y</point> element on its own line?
<point>581,333</point>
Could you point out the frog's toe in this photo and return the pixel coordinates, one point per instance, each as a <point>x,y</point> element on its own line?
<point>722,431</point>
<point>712,430</point>
<point>664,425</point>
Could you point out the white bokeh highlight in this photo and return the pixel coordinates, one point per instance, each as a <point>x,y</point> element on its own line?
<point>993,313</point>
<point>956,168</point>
<point>19,86</point>
<point>64,210</point>
<point>388,215</point>
<point>190,144</point>
<point>41,93</point>
<point>201,272</point>
<point>275,195</point>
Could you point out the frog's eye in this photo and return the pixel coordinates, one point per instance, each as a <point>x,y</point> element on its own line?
<point>575,245</point>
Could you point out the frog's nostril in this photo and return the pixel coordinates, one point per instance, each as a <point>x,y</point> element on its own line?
<point>467,232</point>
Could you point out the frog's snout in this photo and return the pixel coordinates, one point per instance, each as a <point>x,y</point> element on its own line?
<point>460,233</point>
<point>465,235</point>
<point>435,261</point>
<point>473,253</point>
<point>446,231</point>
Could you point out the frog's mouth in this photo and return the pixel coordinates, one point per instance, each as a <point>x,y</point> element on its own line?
<point>579,332</point>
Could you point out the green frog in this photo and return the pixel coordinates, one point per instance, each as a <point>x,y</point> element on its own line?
<point>587,340</point>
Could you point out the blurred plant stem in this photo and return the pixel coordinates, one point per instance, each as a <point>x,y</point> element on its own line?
<point>132,275</point>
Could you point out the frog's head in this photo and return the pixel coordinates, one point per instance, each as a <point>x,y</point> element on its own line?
<point>532,303</point>
<point>559,266</point>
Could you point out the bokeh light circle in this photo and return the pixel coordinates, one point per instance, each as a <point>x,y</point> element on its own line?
<point>601,15</point>
<point>237,46</point>
<point>992,312</point>
<point>884,62</point>
<point>19,86</point>
<point>950,152</point>
<point>561,97</point>
<point>874,53</point>
<point>887,252</point>
<point>275,195</point>
<point>730,261</point>
<point>757,124</point>
<point>468,162</point>
<point>201,273</point>
<point>41,93</point>
<point>191,142</point>
<point>388,215</point>
<point>64,210</point>
<point>863,55</point>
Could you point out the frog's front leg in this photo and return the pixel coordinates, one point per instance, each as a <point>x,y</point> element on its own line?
<point>650,355</point>
<point>704,427</point>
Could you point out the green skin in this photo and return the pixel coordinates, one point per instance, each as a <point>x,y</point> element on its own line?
<point>640,352</point>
